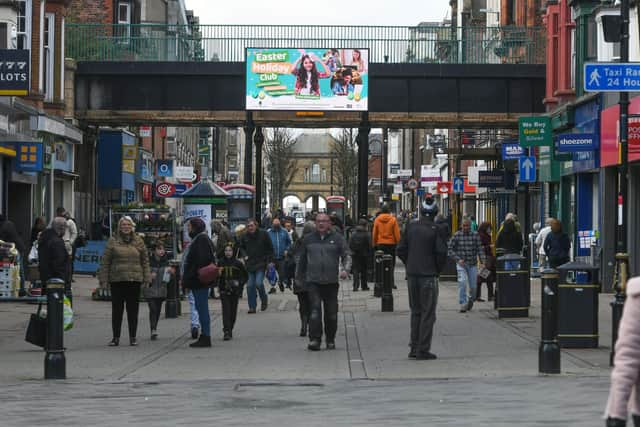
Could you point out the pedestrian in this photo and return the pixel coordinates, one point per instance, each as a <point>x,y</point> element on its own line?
<point>156,292</point>
<point>624,395</point>
<point>557,245</point>
<point>125,267</point>
<point>38,227</point>
<point>281,242</point>
<point>360,245</point>
<point>258,252</point>
<point>423,250</point>
<point>200,253</point>
<point>465,247</point>
<point>9,234</point>
<point>488,273</point>
<point>52,255</point>
<point>540,238</point>
<point>221,237</point>
<point>386,235</point>
<point>304,306</point>
<point>319,268</point>
<point>69,238</point>
<point>233,276</point>
<point>509,240</point>
<point>474,224</point>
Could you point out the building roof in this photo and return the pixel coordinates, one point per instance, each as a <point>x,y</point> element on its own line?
<point>311,143</point>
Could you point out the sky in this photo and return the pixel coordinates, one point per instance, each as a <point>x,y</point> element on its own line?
<point>326,12</point>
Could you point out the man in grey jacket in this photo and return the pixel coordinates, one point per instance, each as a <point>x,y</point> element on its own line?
<point>320,269</point>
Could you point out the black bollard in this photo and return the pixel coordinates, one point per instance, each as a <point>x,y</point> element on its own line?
<point>55,364</point>
<point>549,351</point>
<point>617,305</point>
<point>387,283</point>
<point>171,305</point>
<point>378,273</point>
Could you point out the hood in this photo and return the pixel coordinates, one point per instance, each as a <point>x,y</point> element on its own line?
<point>509,227</point>
<point>46,235</point>
<point>385,217</point>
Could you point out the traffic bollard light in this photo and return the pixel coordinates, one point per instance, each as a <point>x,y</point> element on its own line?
<point>54,359</point>
<point>387,283</point>
<point>377,263</point>
<point>549,350</point>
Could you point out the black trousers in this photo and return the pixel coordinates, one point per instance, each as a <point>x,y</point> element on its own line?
<point>360,271</point>
<point>327,296</point>
<point>229,310</point>
<point>125,293</point>
<point>423,298</point>
<point>304,307</point>
<point>390,250</point>
<point>155,308</point>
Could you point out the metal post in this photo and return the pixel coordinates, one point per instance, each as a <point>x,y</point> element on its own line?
<point>363,165</point>
<point>385,162</point>
<point>54,360</point>
<point>378,273</point>
<point>549,350</point>
<point>258,139</point>
<point>387,281</point>
<point>171,305</point>
<point>622,257</point>
<point>249,128</point>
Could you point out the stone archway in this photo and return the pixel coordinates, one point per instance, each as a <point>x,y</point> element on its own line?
<point>292,201</point>
<point>315,202</point>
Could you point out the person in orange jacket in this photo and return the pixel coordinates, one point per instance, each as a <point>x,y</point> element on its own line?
<point>386,234</point>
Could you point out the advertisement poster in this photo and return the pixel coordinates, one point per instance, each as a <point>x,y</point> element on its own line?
<point>88,258</point>
<point>307,79</point>
<point>146,166</point>
<point>196,211</point>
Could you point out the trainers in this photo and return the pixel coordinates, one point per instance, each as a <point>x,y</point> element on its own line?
<point>202,342</point>
<point>426,356</point>
<point>412,353</point>
<point>154,335</point>
<point>331,345</point>
<point>227,336</point>
<point>463,308</point>
<point>314,345</point>
<point>263,306</point>
<point>281,286</point>
<point>251,311</point>
<point>470,305</point>
<point>272,290</point>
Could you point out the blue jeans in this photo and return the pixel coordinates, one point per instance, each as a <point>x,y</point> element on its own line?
<point>467,277</point>
<point>201,298</point>
<point>256,280</point>
<point>195,320</point>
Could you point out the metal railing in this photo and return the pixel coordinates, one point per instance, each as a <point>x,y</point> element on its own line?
<point>227,43</point>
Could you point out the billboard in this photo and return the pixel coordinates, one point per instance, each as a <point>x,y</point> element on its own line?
<point>307,79</point>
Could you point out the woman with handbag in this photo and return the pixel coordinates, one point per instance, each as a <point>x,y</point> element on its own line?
<point>200,273</point>
<point>125,266</point>
<point>156,292</point>
<point>233,276</point>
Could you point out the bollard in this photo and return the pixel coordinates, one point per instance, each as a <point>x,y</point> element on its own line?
<point>171,305</point>
<point>378,273</point>
<point>549,351</point>
<point>54,360</point>
<point>387,283</point>
<point>617,305</point>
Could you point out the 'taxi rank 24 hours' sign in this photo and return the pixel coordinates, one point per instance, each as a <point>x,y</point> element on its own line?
<point>307,79</point>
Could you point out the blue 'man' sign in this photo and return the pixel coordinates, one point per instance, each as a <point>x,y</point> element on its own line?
<point>574,142</point>
<point>512,151</point>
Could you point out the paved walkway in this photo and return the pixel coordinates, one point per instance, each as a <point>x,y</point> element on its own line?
<point>486,373</point>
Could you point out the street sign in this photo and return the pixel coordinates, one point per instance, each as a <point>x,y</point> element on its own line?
<point>167,189</point>
<point>185,173</point>
<point>574,142</point>
<point>165,168</point>
<point>612,77</point>
<point>527,168</point>
<point>535,131</point>
<point>444,187</point>
<point>472,173</point>
<point>420,191</point>
<point>511,151</point>
<point>458,185</point>
<point>412,184</point>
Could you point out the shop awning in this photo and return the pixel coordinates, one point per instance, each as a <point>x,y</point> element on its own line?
<point>7,151</point>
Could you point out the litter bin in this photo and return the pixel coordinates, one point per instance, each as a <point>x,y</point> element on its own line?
<point>578,291</point>
<point>513,286</point>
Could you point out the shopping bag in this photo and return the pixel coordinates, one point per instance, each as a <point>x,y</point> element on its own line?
<point>67,314</point>
<point>37,329</point>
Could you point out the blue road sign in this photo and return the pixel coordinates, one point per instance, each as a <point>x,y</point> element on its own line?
<point>527,168</point>
<point>458,185</point>
<point>420,191</point>
<point>612,77</point>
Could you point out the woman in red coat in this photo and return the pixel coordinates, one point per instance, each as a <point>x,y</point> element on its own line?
<point>624,396</point>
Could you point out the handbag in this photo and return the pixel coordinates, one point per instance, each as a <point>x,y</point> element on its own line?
<point>37,329</point>
<point>209,273</point>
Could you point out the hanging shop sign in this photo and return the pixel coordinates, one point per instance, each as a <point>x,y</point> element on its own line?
<point>29,157</point>
<point>574,142</point>
<point>14,72</point>
<point>535,131</point>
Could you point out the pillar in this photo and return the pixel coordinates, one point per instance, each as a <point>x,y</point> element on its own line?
<point>363,164</point>
<point>258,139</point>
<point>249,128</point>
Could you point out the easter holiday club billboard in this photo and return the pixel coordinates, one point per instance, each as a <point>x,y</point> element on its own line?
<point>307,79</point>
